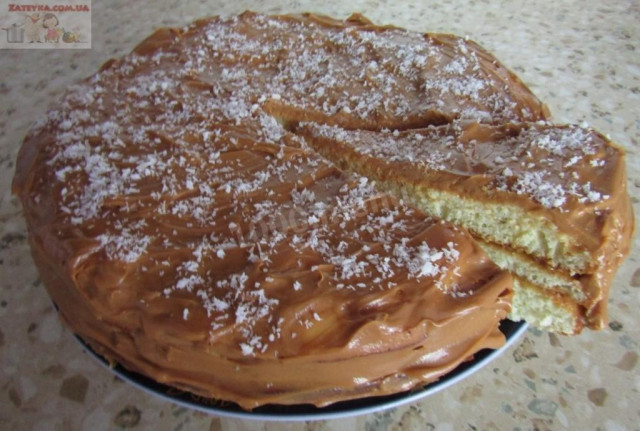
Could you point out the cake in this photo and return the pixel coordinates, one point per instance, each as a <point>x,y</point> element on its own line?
<point>189,225</point>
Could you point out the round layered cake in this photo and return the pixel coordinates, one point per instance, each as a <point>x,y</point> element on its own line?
<point>187,230</point>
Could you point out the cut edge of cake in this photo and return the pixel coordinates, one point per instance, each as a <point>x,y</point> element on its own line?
<point>560,284</point>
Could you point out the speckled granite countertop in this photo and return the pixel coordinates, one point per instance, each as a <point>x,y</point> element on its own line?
<point>581,58</point>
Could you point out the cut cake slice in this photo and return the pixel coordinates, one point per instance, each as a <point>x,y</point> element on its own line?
<point>548,203</point>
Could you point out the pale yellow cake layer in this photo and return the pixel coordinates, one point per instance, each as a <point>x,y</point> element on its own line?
<point>524,267</point>
<point>500,223</point>
<point>553,313</point>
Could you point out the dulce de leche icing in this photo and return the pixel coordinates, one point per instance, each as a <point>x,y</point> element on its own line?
<point>185,233</point>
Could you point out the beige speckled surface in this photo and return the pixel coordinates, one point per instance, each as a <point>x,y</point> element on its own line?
<point>581,58</point>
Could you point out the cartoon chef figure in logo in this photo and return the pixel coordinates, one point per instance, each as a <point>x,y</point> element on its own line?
<point>50,23</point>
<point>32,28</point>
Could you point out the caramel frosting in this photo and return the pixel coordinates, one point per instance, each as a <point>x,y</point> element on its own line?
<point>574,177</point>
<point>259,273</point>
<point>370,299</point>
<point>186,232</point>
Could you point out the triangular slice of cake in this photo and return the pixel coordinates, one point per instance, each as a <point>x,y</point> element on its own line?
<point>548,203</point>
